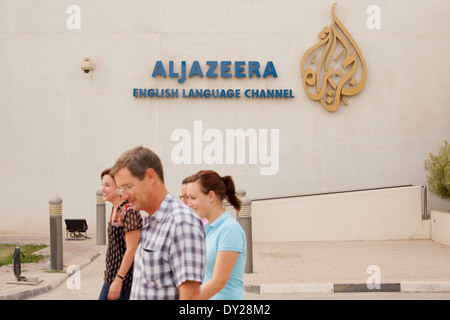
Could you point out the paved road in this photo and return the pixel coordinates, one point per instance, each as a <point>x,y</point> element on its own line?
<point>87,288</point>
<point>352,296</point>
<point>91,280</point>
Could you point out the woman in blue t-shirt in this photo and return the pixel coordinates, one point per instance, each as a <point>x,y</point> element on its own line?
<point>225,239</point>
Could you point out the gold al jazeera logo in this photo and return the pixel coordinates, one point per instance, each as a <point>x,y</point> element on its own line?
<point>334,68</point>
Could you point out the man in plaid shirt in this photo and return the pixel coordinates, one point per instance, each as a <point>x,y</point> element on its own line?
<point>170,260</point>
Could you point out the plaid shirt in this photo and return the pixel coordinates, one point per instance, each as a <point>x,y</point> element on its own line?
<point>171,251</point>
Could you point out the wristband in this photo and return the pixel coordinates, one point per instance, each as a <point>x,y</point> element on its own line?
<point>119,276</point>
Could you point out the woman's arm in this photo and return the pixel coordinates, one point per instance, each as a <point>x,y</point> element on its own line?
<point>223,267</point>
<point>132,242</point>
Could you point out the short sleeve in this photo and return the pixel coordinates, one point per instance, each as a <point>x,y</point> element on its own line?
<point>232,238</point>
<point>187,253</point>
<point>132,220</point>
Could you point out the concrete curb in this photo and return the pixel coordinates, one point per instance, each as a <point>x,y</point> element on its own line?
<point>32,292</point>
<point>363,287</point>
<point>431,286</point>
<point>290,288</point>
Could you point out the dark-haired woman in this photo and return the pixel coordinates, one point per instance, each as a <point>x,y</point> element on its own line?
<point>225,239</point>
<point>124,230</point>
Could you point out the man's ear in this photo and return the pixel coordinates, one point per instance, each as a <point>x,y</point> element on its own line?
<point>150,174</point>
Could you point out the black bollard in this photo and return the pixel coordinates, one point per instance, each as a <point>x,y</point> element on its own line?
<point>56,234</point>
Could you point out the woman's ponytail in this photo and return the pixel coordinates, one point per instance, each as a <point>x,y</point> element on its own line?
<point>230,193</point>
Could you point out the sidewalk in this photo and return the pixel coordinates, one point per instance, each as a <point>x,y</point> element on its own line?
<point>346,266</point>
<point>75,252</point>
<point>290,267</point>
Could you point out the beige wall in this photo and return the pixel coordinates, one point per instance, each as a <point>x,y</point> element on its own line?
<point>440,226</point>
<point>388,214</point>
<point>59,127</point>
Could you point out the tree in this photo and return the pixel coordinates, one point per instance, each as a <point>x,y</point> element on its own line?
<point>438,172</point>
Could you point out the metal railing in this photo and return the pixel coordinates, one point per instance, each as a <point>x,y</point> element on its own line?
<point>424,196</point>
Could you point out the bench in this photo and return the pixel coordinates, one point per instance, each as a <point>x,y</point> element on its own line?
<point>76,229</point>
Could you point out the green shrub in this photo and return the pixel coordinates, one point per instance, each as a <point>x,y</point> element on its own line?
<point>7,250</point>
<point>438,172</point>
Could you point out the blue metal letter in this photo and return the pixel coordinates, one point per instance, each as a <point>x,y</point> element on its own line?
<point>196,70</point>
<point>253,68</point>
<point>239,71</point>
<point>183,72</point>
<point>210,73</point>
<point>159,70</point>
<point>171,73</point>
<point>270,70</point>
<point>224,69</point>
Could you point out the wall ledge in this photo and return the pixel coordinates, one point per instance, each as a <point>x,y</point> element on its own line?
<point>440,226</point>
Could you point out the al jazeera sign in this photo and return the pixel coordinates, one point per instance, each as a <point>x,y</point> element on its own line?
<point>332,70</point>
<point>215,69</point>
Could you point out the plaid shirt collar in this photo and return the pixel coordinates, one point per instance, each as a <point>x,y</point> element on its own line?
<point>162,212</point>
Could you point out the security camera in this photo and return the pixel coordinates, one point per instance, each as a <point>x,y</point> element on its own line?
<point>87,66</point>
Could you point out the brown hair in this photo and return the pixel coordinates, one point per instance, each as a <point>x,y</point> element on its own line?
<point>138,160</point>
<point>105,172</point>
<point>185,180</point>
<point>223,186</point>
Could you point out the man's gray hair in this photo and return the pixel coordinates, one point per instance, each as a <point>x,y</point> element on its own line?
<point>138,160</point>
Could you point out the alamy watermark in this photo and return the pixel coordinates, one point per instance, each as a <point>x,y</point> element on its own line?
<point>374,20</point>
<point>374,280</point>
<point>73,21</point>
<point>234,146</point>
<point>74,280</point>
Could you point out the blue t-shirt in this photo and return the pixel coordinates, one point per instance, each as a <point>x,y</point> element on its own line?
<point>226,234</point>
